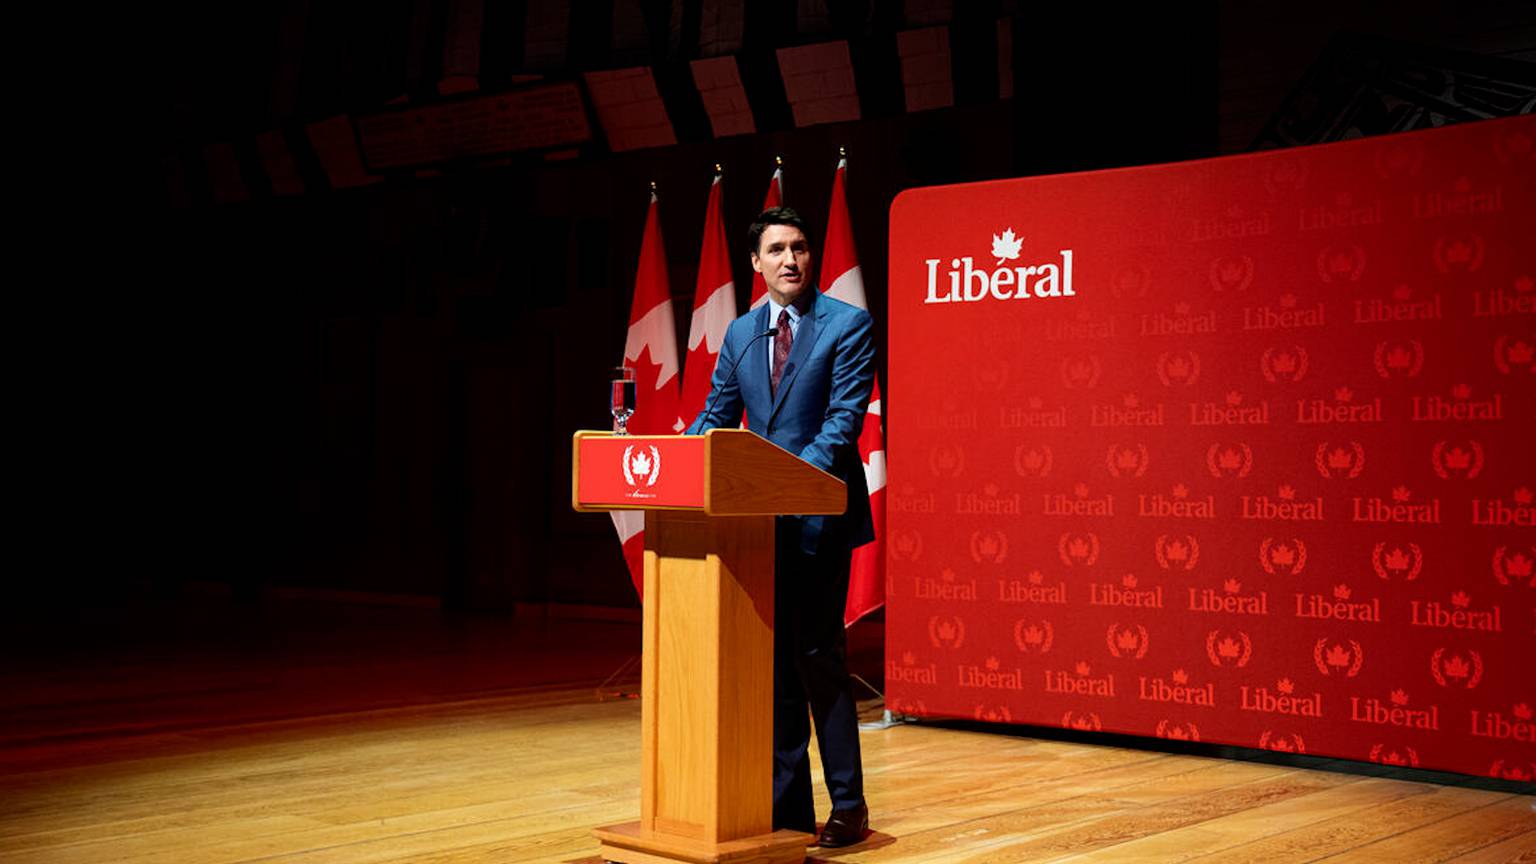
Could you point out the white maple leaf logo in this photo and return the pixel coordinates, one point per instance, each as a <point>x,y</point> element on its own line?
<point>641,464</point>
<point>1006,246</point>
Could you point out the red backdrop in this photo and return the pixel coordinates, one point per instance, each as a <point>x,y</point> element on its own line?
<point>1250,461</point>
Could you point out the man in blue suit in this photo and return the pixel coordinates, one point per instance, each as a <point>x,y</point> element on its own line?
<point>805,388</point>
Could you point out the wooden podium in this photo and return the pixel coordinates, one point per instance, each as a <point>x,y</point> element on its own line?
<point>706,710</point>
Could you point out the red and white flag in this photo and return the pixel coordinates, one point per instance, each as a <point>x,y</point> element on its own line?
<point>714,308</point>
<point>651,348</point>
<point>774,198</point>
<point>841,278</point>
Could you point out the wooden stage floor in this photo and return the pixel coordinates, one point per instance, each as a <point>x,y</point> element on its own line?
<point>401,738</point>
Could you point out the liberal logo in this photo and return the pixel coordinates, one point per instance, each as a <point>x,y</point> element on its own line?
<point>906,544</point>
<point>1183,321</point>
<point>1498,512</point>
<point>1129,461</point>
<point>1176,552</point>
<point>946,631</point>
<point>1284,176</point>
<point>1033,461</point>
<point>993,714</point>
<point>1079,681</point>
<point>1342,212</point>
<point>1343,409</point>
<point>1336,462</point>
<point>1285,507</point>
<point>946,460</point>
<point>1081,372</point>
<point>1403,359</point>
<point>1177,731</point>
<point>990,676</point>
<point>1396,159</point>
<point>1078,550</point>
<point>1459,615</point>
<point>1405,757</point>
<point>1397,563</point>
<point>1401,509</point>
<point>1512,355</point>
<point>1280,742</point>
<point>1285,364</point>
<point>1509,568</point>
<point>989,547</point>
<point>967,284</point>
<point>1033,637</point>
<point>1129,412</point>
<point>1499,302</point>
<point>1394,712</point>
<point>991,375</point>
<point>1079,503</point>
<point>1176,505</point>
<point>1230,600</point>
<point>908,671</point>
<point>1178,368</point>
<point>1460,408</point>
<point>641,470</point>
<point>1457,461</point>
<point>1402,307</point>
<point>1031,415</point>
<point>1283,557</point>
<point>1228,650</point>
<point>1516,727</point>
<point>1177,690</point>
<point>1230,462</point>
<point>1337,660</point>
<point>1130,282</point>
<point>946,587</point>
<point>1032,589</point>
<point>1340,607</point>
<point>1127,642</point>
<point>1512,769</point>
<point>1229,412</point>
<point>1282,700</point>
<point>1287,315</point>
<point>1083,721</point>
<point>1454,670</point>
<point>1127,594</point>
<point>1231,273</point>
<point>1339,264</point>
<point>1459,253</point>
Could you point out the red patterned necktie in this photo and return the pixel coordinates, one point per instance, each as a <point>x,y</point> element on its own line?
<point>781,344</point>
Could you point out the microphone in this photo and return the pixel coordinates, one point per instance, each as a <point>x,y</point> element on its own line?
<point>709,413</point>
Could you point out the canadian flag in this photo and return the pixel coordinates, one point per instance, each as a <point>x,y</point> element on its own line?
<point>651,348</point>
<point>842,279</point>
<point>774,198</point>
<point>714,307</point>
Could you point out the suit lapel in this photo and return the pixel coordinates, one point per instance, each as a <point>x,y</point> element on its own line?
<point>753,373</point>
<point>805,339</point>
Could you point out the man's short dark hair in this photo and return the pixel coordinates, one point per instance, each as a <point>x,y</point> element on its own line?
<point>774,216</point>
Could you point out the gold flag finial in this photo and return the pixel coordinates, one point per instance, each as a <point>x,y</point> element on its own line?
<point>653,186</point>
<point>717,168</point>
<point>778,161</point>
<point>842,152</point>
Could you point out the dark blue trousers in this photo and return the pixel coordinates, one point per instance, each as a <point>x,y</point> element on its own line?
<point>811,684</point>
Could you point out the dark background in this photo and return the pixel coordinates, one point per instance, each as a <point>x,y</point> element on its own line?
<point>372,390</point>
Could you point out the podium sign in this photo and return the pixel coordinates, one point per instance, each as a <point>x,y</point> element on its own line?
<point>640,473</point>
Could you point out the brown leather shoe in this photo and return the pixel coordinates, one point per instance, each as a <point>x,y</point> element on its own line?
<point>844,827</point>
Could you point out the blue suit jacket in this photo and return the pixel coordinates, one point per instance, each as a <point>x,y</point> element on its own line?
<point>818,410</point>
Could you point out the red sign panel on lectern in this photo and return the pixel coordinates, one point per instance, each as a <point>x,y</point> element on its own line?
<point>641,472</point>
<point>1236,451</point>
